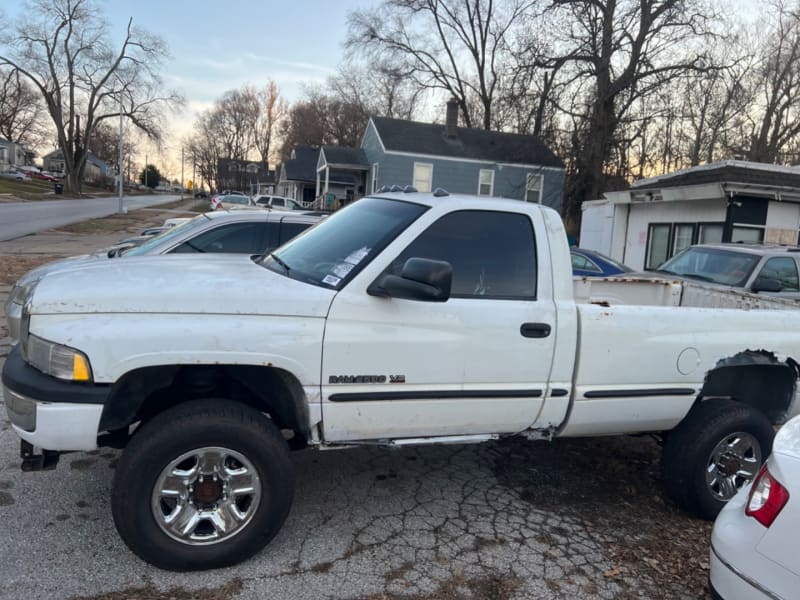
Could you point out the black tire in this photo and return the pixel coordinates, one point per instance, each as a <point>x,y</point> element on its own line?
<point>183,429</point>
<point>688,450</point>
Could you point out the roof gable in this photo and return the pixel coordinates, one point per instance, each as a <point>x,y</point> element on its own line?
<point>475,144</point>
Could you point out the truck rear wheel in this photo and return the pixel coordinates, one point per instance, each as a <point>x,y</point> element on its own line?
<point>718,448</point>
<point>203,485</point>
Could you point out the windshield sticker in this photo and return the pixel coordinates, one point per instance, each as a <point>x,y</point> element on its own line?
<point>357,256</point>
<point>342,269</point>
<point>331,280</point>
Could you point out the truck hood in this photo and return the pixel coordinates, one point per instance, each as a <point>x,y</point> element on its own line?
<point>220,284</point>
<point>62,264</point>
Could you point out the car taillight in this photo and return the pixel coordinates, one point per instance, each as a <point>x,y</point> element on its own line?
<point>767,498</point>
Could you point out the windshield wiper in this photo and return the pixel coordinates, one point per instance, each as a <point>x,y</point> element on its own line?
<point>279,260</point>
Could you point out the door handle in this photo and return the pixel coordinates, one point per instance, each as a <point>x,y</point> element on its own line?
<point>535,330</point>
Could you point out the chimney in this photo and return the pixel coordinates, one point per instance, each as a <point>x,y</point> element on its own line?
<point>451,120</point>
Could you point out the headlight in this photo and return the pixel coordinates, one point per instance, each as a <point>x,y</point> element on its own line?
<point>53,359</point>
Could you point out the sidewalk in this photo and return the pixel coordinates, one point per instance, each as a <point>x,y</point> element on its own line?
<point>22,254</point>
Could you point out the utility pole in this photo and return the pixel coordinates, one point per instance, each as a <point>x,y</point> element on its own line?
<point>121,158</point>
<point>181,172</point>
<point>145,173</point>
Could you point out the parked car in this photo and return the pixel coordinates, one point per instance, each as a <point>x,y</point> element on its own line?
<point>242,232</point>
<point>14,174</point>
<point>589,263</point>
<point>278,203</point>
<point>754,541</point>
<point>757,268</point>
<point>201,194</point>
<point>225,201</point>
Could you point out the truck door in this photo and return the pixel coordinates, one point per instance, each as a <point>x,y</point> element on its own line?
<point>477,363</point>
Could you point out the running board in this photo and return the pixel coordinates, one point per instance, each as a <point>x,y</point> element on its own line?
<point>447,439</point>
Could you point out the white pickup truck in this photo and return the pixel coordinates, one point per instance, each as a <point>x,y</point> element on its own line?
<point>403,319</point>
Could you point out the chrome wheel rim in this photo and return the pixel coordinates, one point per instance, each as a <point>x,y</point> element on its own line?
<point>206,496</point>
<point>733,462</point>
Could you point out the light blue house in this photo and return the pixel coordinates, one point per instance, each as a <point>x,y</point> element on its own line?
<point>458,159</point>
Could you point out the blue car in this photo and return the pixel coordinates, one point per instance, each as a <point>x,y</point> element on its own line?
<point>588,263</point>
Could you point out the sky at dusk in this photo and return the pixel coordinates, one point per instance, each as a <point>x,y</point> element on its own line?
<point>219,45</point>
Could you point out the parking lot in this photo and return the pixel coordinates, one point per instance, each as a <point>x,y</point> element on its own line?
<point>512,519</point>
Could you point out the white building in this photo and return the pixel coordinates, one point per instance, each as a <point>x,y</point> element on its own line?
<point>727,201</point>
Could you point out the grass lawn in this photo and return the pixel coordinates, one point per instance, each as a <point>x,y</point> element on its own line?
<point>36,189</point>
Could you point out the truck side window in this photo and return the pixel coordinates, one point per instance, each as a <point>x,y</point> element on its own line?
<point>493,254</point>
<point>784,270</point>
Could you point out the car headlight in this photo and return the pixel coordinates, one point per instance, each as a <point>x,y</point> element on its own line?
<point>54,359</point>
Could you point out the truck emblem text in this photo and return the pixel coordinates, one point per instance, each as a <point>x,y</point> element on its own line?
<point>366,379</point>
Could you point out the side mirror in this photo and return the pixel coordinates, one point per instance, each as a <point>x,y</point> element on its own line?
<point>765,284</point>
<point>421,279</point>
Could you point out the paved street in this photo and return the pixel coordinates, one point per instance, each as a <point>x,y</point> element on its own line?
<point>23,218</point>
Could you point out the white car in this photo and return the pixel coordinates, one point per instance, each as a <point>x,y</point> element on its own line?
<point>224,232</point>
<point>228,201</point>
<point>755,552</point>
<point>278,203</point>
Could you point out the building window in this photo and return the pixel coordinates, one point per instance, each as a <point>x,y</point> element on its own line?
<point>2,155</point>
<point>709,233</point>
<point>423,176</point>
<point>486,182</point>
<point>533,188</point>
<point>657,244</point>
<point>374,177</point>
<point>682,237</point>
<point>754,235</point>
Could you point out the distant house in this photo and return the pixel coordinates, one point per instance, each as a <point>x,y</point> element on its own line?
<point>14,155</point>
<point>96,170</point>
<point>244,176</point>
<point>725,201</point>
<point>297,177</point>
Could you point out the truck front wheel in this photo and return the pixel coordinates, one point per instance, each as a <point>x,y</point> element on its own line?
<point>718,448</point>
<point>203,485</point>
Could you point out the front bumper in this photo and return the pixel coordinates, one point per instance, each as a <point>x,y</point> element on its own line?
<point>49,413</point>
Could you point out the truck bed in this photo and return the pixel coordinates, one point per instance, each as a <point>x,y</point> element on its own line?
<point>643,291</point>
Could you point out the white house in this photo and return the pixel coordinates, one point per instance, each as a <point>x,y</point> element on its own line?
<point>14,155</point>
<point>726,201</point>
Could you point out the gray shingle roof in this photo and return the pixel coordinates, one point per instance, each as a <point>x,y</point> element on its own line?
<point>728,171</point>
<point>477,144</point>
<point>303,167</point>
<point>337,155</point>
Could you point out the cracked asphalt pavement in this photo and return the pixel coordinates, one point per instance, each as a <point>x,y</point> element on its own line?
<point>506,520</point>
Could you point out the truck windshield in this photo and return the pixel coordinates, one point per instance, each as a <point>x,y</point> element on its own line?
<point>726,267</point>
<point>331,253</point>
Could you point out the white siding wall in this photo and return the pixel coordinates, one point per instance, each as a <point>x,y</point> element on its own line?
<point>642,215</point>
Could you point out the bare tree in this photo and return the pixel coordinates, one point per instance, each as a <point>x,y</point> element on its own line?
<point>233,121</point>
<point>272,110</point>
<point>774,121</point>
<point>21,109</point>
<point>63,49</point>
<point>321,119</point>
<point>380,89</point>
<point>459,46</point>
<point>623,50</point>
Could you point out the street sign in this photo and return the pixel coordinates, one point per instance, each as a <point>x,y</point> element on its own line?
<point>190,185</point>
